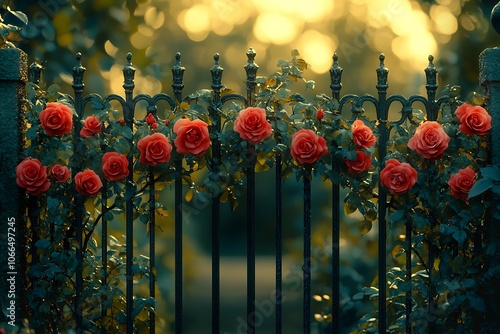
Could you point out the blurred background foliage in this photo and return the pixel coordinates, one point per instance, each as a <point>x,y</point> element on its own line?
<point>406,31</point>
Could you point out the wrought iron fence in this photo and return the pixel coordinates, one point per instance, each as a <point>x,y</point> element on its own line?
<point>381,103</point>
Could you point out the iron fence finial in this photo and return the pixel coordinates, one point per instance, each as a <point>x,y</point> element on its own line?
<point>217,74</point>
<point>382,73</point>
<point>251,69</point>
<point>78,72</point>
<point>178,74</point>
<point>128,75</point>
<point>336,77</point>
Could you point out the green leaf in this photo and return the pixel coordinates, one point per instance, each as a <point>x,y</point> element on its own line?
<point>53,89</point>
<point>126,132</point>
<point>480,187</point>
<point>396,216</point>
<point>491,172</point>
<point>358,296</point>
<point>364,227</point>
<point>460,236</point>
<point>20,15</point>
<point>477,304</point>
<point>43,244</point>
<point>349,208</point>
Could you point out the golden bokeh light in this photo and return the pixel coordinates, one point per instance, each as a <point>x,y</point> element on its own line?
<point>317,49</point>
<point>275,28</point>
<point>154,18</point>
<point>444,21</point>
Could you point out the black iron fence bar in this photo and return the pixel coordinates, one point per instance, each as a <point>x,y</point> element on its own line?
<point>178,85</point>
<point>251,70</point>
<point>251,241</point>
<point>78,87</point>
<point>408,302</point>
<point>279,238</point>
<point>216,71</point>
<point>336,86</point>
<point>152,254</point>
<point>128,110</point>
<point>306,267</point>
<point>104,249</point>
<point>382,112</point>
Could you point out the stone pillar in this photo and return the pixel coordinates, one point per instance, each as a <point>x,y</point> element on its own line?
<point>489,77</point>
<point>13,77</point>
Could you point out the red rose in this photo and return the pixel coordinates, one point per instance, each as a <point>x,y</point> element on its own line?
<point>115,166</point>
<point>320,114</point>
<point>362,135</point>
<point>56,119</point>
<point>461,183</point>
<point>167,122</point>
<point>122,121</point>
<point>88,183</point>
<point>429,140</point>
<point>155,149</point>
<point>398,177</point>
<point>91,127</point>
<point>192,136</point>
<point>32,176</point>
<point>59,173</point>
<point>474,120</point>
<point>154,126</point>
<point>150,119</point>
<point>307,146</point>
<point>252,125</point>
<point>360,164</point>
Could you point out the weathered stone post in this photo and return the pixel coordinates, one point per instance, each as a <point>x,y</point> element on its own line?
<point>489,77</point>
<point>13,77</point>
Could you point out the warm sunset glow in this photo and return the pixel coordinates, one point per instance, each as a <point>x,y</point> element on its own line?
<point>317,49</point>
<point>275,28</point>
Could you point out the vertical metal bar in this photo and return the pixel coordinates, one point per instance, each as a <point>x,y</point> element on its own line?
<point>178,85</point>
<point>382,112</point>
<point>128,86</point>
<point>216,71</point>
<point>279,237</point>
<point>152,254</point>
<point>78,87</point>
<point>336,86</point>
<point>408,305</point>
<point>104,246</point>
<point>251,241</point>
<point>306,268</point>
<point>251,71</point>
<point>432,113</point>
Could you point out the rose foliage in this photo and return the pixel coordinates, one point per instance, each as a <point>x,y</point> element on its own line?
<point>427,173</point>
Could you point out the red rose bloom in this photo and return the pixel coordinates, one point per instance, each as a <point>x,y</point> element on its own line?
<point>115,166</point>
<point>461,183</point>
<point>32,176</point>
<point>398,177</point>
<point>155,149</point>
<point>362,135</point>
<point>56,119</point>
<point>307,146</point>
<point>88,183</point>
<point>474,120</point>
<point>59,173</point>
<point>192,136</point>
<point>91,127</point>
<point>252,125</point>
<point>360,164</point>
<point>429,140</point>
